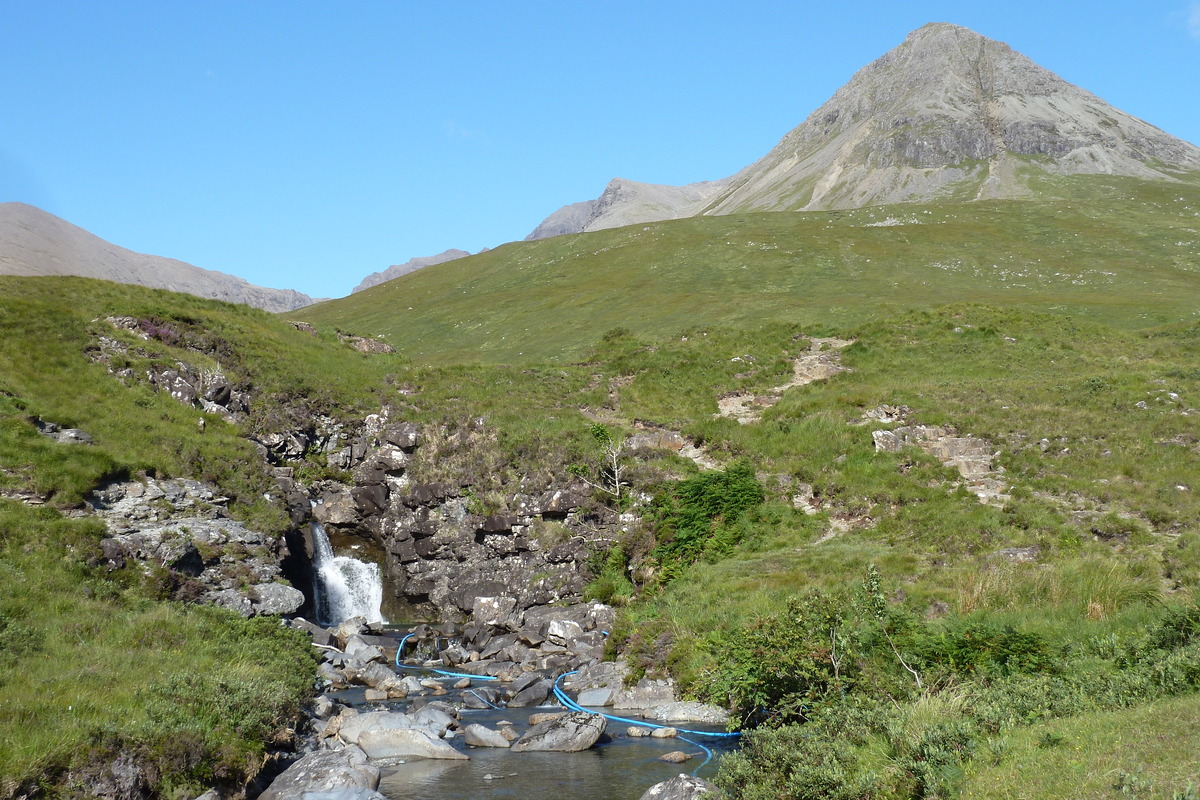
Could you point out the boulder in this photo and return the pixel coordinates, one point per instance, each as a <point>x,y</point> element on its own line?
<point>686,712</point>
<point>379,676</point>
<point>232,600</point>
<point>532,695</point>
<point>675,757</point>
<point>323,707</point>
<point>335,508</point>
<point>354,727</point>
<point>563,631</point>
<point>648,693</point>
<point>524,681</point>
<point>356,647</point>
<point>567,734</point>
<point>399,743</point>
<point>276,598</point>
<point>595,697</point>
<point>345,794</point>
<point>605,675</point>
<point>480,736</point>
<point>320,635</point>
<point>683,787</point>
<point>481,697</point>
<point>497,612</point>
<point>433,717</point>
<point>351,627</point>
<point>324,771</point>
<point>406,435</point>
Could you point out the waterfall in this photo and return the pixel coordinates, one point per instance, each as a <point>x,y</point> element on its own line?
<point>343,587</point>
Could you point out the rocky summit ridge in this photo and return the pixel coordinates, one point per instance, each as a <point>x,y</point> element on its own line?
<point>946,114</point>
<point>36,243</point>
<point>412,265</point>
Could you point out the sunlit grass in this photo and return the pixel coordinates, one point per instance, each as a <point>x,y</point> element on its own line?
<point>1149,750</point>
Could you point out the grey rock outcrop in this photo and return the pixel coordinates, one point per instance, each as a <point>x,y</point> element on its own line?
<point>181,525</point>
<point>970,455</point>
<point>946,113</point>
<point>62,435</point>
<point>36,243</point>
<point>207,389</point>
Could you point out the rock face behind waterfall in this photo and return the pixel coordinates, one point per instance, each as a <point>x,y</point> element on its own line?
<point>343,587</point>
<point>416,492</point>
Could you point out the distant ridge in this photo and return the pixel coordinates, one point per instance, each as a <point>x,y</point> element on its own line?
<point>946,114</point>
<point>413,264</point>
<point>36,243</point>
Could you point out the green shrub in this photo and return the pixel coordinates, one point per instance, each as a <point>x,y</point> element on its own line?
<point>698,517</point>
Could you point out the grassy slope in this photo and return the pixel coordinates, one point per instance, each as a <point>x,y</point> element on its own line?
<point>1008,374</point>
<point>1108,499</point>
<point>1118,249</point>
<point>1146,752</point>
<point>91,663</point>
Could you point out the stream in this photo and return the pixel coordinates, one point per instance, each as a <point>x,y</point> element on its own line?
<point>619,767</point>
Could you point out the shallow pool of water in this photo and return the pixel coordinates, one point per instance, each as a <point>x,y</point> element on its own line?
<point>619,767</point>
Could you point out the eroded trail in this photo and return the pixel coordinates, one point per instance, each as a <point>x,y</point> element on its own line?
<point>821,361</point>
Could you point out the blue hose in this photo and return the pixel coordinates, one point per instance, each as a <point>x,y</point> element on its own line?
<point>484,699</point>
<point>437,671</point>
<point>708,754</point>
<point>573,706</point>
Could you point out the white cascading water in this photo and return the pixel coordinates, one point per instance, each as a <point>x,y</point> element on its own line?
<point>343,587</point>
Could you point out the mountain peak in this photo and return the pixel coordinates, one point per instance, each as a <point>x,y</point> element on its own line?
<point>947,113</point>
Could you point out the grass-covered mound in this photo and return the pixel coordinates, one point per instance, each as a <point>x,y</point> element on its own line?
<point>93,671</point>
<point>95,668</point>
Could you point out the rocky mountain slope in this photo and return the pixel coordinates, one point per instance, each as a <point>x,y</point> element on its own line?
<point>413,264</point>
<point>946,114</point>
<point>36,243</point>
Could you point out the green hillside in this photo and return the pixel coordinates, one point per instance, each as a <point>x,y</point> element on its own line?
<point>1114,249</point>
<point>884,632</point>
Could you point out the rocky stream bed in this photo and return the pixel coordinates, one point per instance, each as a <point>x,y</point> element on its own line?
<point>507,705</point>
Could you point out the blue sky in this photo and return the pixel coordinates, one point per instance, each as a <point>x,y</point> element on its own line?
<point>304,145</point>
